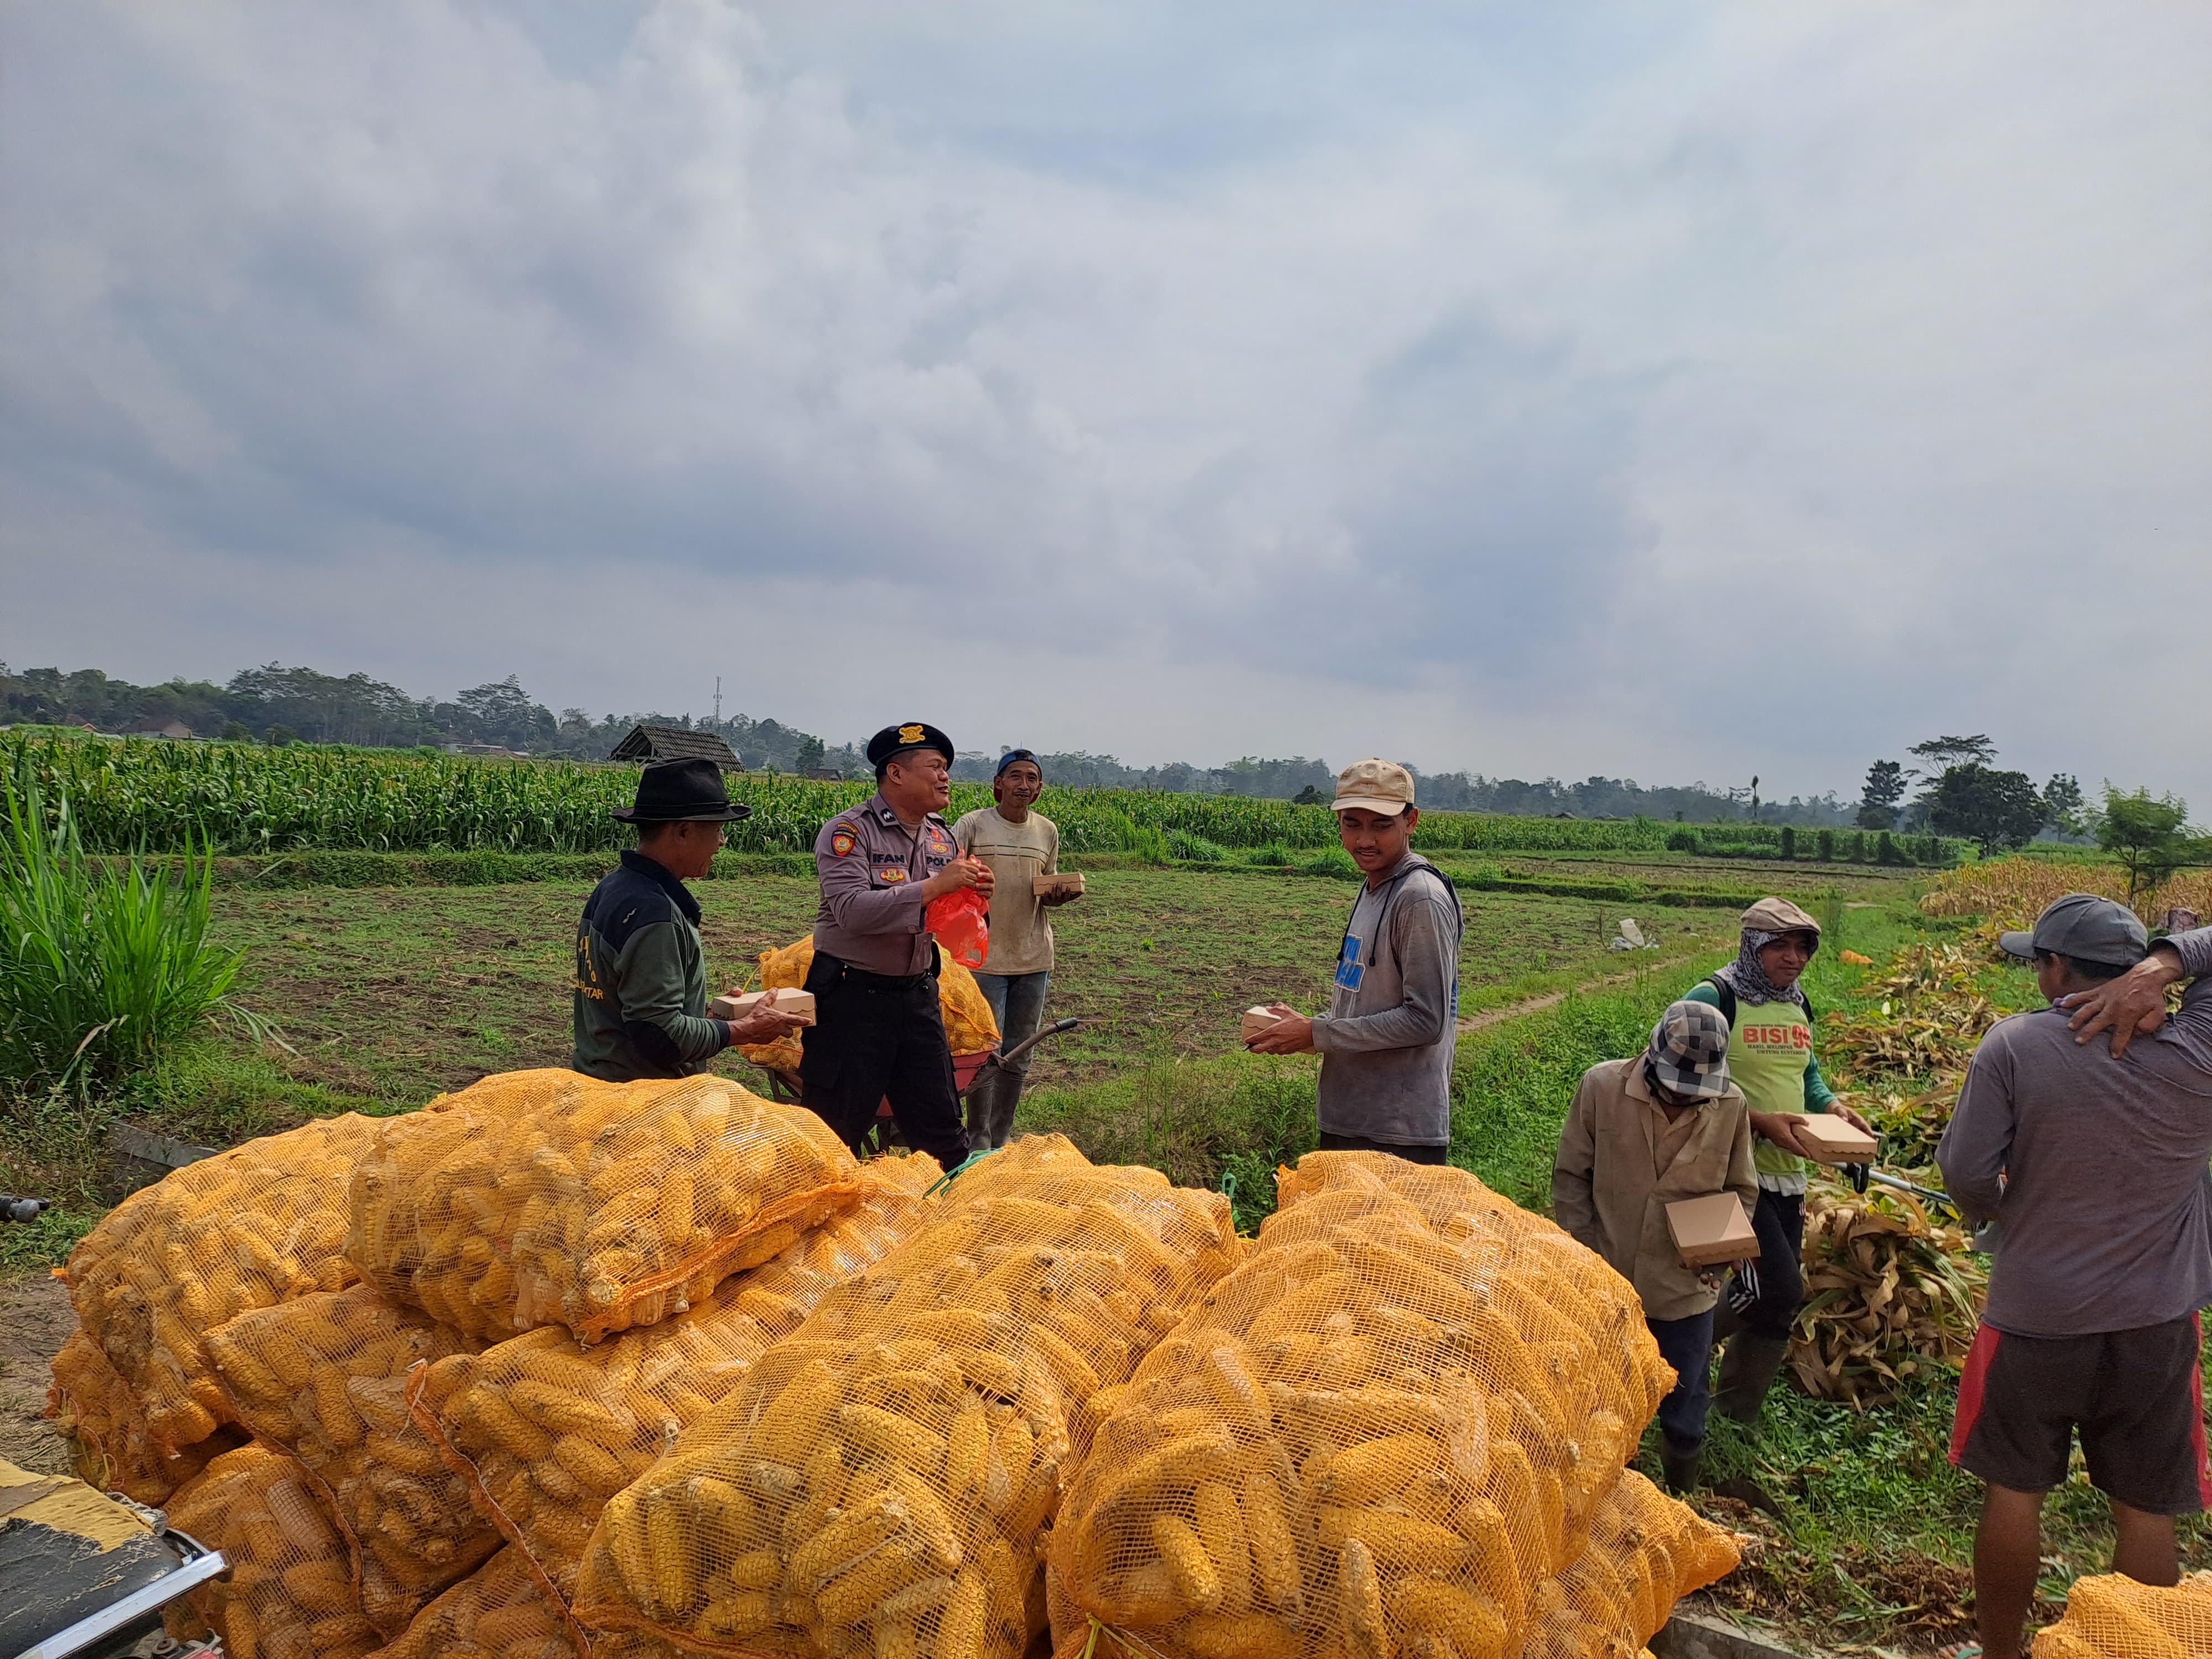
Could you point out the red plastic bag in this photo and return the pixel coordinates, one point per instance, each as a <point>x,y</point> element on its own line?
<point>961,922</point>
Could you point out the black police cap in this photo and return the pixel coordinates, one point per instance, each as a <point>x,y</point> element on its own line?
<point>895,740</point>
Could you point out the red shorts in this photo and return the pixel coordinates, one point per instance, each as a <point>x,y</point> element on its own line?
<point>2137,1397</point>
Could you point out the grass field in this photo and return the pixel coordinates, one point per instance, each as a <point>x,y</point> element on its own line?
<point>399,993</point>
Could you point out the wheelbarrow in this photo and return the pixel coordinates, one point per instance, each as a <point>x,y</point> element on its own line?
<point>967,1071</point>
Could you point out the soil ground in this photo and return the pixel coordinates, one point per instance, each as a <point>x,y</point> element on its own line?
<point>35,1319</point>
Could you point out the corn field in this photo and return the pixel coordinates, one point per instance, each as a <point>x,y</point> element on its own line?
<point>2012,892</point>
<point>162,797</point>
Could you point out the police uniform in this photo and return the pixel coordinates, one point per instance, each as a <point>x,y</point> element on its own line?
<point>878,1030</point>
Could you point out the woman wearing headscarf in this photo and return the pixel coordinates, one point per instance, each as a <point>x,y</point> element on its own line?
<point>1770,1057</point>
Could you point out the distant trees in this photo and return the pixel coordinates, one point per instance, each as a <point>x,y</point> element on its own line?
<point>1879,795</point>
<point>1998,811</point>
<point>2150,836</point>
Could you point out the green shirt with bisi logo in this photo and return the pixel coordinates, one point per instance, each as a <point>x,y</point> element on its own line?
<point>1771,1058</point>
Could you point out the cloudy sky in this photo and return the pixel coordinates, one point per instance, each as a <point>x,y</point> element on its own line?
<point>1675,391</point>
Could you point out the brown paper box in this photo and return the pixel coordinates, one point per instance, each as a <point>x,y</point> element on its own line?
<point>1069,881</point>
<point>1831,1140</point>
<point>787,1002</point>
<point>1257,1020</point>
<point>1710,1230</point>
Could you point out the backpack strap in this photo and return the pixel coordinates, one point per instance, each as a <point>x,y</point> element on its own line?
<point>1728,998</point>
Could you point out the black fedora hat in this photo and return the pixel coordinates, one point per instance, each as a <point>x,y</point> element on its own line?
<point>682,792</point>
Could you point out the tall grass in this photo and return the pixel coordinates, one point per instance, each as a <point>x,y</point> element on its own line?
<point>103,968</point>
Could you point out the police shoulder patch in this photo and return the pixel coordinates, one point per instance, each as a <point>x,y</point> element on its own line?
<point>842,842</point>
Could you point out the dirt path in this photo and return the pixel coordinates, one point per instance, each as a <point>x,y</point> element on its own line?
<point>35,1319</point>
<point>1490,1017</point>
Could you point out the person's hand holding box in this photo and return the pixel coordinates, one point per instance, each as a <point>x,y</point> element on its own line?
<point>1290,1034</point>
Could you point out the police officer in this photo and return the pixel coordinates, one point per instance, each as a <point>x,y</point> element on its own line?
<point>878,1030</point>
<point>641,990</point>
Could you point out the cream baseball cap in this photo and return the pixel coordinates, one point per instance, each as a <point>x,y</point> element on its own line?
<point>1378,785</point>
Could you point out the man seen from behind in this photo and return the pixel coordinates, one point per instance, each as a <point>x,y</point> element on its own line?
<point>2092,1164</point>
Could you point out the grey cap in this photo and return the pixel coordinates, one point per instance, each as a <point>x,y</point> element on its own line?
<point>2086,927</point>
<point>1689,1050</point>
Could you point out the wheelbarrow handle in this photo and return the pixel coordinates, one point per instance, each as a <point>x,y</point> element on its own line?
<point>1031,1042</point>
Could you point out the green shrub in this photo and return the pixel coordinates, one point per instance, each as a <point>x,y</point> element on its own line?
<point>1331,862</point>
<point>1826,843</point>
<point>1682,841</point>
<point>1195,849</point>
<point>1789,842</point>
<point>1273,856</point>
<point>104,966</point>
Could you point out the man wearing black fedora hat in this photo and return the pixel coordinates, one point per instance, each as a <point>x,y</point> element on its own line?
<point>640,992</point>
<point>879,1031</point>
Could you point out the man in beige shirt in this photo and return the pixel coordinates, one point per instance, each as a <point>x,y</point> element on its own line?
<point>1663,1125</point>
<point>1018,845</point>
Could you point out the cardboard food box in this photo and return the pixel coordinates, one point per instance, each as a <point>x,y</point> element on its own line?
<point>1831,1140</point>
<point>1257,1020</point>
<point>1053,886</point>
<point>1710,1230</point>
<point>787,1002</point>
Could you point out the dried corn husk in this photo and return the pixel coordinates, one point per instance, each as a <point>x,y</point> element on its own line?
<point>1888,1294</point>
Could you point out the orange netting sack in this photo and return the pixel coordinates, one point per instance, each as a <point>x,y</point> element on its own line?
<point>290,1593</point>
<point>546,1431</point>
<point>2112,1617</point>
<point>880,1481</point>
<point>326,1378</point>
<point>1646,1552</point>
<point>1372,1438</point>
<point>596,1206</point>
<point>112,1450</point>
<point>248,1228</point>
<point>970,1028</point>
<point>498,1612</point>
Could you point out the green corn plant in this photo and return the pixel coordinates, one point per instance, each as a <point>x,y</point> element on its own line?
<point>103,966</point>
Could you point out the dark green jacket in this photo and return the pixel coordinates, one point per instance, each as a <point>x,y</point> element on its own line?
<point>642,979</point>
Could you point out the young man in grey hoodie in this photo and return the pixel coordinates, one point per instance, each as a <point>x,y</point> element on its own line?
<point>1386,1042</point>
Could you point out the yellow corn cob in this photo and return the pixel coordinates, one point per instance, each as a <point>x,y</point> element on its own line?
<point>853,1534</point>
<point>594,1467</point>
<point>961,1628</point>
<point>747,1613</point>
<point>1430,1606</point>
<point>1392,1541</point>
<point>1363,1601</point>
<point>1372,1470</point>
<point>791,1427</point>
<point>1190,1569</point>
<point>969,1447</point>
<point>853,1597</point>
<point>896,1639</point>
<point>1221,1530</point>
<point>1235,1636</point>
<point>1073,1371</point>
<point>1267,1533</point>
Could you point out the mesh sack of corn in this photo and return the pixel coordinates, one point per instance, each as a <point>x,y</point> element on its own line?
<point>1889,1294</point>
<point>326,1378</point>
<point>879,1482</point>
<point>498,1612</point>
<point>969,1026</point>
<point>546,1431</point>
<point>2112,1617</point>
<point>1381,1434</point>
<point>1645,1553</point>
<point>245,1229</point>
<point>112,1449</point>
<point>596,1206</point>
<point>290,1593</point>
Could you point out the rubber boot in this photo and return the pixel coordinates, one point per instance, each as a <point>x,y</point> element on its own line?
<point>1748,1368</point>
<point>1678,1470</point>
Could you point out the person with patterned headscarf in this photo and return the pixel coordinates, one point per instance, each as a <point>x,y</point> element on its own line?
<point>1644,1132</point>
<point>1770,1058</point>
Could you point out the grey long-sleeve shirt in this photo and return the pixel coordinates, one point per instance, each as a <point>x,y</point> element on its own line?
<point>871,868</point>
<point>2106,1205</point>
<point>1387,1041</point>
